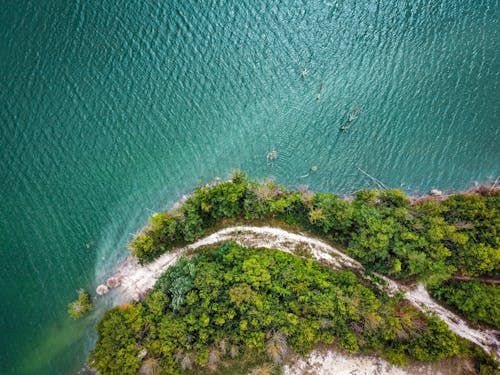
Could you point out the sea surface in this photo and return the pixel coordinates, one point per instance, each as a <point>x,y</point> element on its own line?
<point>111,110</point>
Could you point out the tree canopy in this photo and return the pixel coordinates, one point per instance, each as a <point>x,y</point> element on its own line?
<point>386,231</point>
<point>427,239</point>
<point>232,303</point>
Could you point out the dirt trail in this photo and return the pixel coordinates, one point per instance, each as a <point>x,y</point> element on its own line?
<point>481,279</point>
<point>136,280</point>
<point>420,298</point>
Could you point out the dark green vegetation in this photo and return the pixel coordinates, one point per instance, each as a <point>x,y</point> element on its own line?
<point>233,308</point>
<point>81,306</point>
<point>426,239</point>
<point>233,304</point>
<point>480,302</point>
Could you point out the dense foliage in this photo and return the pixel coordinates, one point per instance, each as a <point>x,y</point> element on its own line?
<point>478,301</point>
<point>81,306</point>
<point>233,303</point>
<point>427,239</point>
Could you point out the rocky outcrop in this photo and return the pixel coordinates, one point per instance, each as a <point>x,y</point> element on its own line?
<point>102,289</point>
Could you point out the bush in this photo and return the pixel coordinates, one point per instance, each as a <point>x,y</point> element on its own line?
<point>117,348</point>
<point>479,302</point>
<point>160,235</point>
<point>332,215</point>
<point>81,306</point>
<point>394,198</point>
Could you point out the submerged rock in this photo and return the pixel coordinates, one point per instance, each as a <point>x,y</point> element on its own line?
<point>271,155</point>
<point>102,289</point>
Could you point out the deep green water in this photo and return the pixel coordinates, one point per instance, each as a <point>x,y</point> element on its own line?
<point>111,109</point>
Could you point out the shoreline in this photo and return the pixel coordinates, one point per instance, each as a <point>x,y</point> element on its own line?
<point>414,196</point>
<point>136,280</point>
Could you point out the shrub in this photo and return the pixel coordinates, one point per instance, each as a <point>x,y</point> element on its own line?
<point>81,306</point>
<point>479,302</point>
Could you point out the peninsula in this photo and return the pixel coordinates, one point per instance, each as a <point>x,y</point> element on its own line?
<point>248,277</point>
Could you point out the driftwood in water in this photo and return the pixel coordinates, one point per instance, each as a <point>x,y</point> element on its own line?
<point>493,187</point>
<point>353,116</point>
<point>314,168</point>
<point>375,180</point>
<point>318,97</point>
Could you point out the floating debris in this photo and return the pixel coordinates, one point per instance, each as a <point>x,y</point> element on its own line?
<point>271,155</point>
<point>353,116</point>
<point>314,168</point>
<point>318,97</point>
<point>376,181</point>
<point>304,73</point>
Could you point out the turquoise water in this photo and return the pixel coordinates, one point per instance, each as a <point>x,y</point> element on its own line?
<point>113,109</point>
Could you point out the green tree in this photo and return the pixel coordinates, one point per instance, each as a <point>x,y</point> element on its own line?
<point>81,306</point>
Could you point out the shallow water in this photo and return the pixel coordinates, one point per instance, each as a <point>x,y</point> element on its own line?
<point>111,110</point>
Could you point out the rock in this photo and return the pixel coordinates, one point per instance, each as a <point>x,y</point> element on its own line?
<point>303,188</point>
<point>271,155</point>
<point>436,192</point>
<point>113,282</point>
<point>102,289</point>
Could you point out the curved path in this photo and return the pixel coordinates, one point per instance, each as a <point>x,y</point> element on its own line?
<point>481,279</point>
<point>136,280</point>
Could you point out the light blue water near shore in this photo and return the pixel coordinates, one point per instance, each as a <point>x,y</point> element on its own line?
<point>112,109</point>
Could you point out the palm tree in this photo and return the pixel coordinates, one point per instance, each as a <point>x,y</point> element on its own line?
<point>187,361</point>
<point>223,346</point>
<point>213,358</point>
<point>265,369</point>
<point>277,348</point>
<point>233,352</point>
<point>149,367</point>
